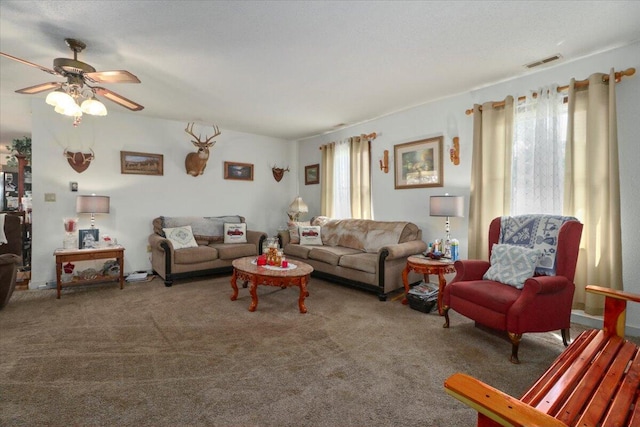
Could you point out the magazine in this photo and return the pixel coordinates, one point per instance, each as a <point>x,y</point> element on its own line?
<point>425,290</point>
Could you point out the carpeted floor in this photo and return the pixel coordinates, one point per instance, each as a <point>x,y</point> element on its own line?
<point>150,355</point>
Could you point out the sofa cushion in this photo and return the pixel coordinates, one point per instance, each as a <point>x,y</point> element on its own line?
<point>239,250</point>
<point>512,264</point>
<point>294,233</point>
<point>297,250</point>
<point>181,237</point>
<point>205,229</point>
<point>330,254</point>
<point>310,235</point>
<point>360,261</point>
<point>195,255</point>
<point>367,235</point>
<point>235,233</point>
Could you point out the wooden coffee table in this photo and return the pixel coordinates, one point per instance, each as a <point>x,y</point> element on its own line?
<point>247,270</point>
<point>423,265</point>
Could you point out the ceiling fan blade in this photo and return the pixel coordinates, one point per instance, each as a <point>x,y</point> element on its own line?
<point>118,99</point>
<point>116,76</point>
<point>45,69</point>
<point>39,88</point>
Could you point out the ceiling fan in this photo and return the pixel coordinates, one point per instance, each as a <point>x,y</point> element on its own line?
<point>78,75</point>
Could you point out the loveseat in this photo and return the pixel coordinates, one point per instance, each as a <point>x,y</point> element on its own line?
<point>366,254</point>
<point>183,247</point>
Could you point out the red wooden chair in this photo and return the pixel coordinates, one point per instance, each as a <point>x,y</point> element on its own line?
<point>544,301</point>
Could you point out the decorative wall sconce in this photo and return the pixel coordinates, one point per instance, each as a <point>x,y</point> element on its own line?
<point>384,162</point>
<point>454,152</point>
<point>278,173</point>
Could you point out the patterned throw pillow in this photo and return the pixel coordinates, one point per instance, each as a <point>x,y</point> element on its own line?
<point>235,233</point>
<point>310,235</point>
<point>512,264</point>
<point>181,237</point>
<point>294,233</point>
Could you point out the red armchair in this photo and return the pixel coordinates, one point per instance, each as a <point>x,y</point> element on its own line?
<point>544,302</point>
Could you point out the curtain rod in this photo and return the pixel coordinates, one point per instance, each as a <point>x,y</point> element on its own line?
<point>370,136</point>
<point>582,83</point>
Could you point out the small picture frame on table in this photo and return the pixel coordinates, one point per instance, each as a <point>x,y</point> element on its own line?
<point>88,238</point>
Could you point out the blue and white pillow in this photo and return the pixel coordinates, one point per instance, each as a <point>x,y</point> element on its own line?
<point>181,237</point>
<point>512,265</point>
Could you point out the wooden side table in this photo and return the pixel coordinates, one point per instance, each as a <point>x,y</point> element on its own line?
<point>71,255</point>
<point>426,266</point>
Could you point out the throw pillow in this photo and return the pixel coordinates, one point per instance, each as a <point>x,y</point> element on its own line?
<point>310,235</point>
<point>294,233</point>
<point>235,233</point>
<point>512,264</point>
<point>181,237</point>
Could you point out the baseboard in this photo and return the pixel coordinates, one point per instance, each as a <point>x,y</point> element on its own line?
<point>581,318</point>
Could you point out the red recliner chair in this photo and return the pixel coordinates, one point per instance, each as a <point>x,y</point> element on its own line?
<point>543,303</point>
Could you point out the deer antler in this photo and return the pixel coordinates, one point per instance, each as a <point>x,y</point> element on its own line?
<point>189,130</point>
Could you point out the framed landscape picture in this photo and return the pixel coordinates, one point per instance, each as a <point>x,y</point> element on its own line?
<point>141,163</point>
<point>312,174</point>
<point>419,164</point>
<point>239,171</point>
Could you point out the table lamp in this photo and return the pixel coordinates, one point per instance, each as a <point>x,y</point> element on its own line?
<point>297,207</point>
<point>446,206</point>
<point>92,205</point>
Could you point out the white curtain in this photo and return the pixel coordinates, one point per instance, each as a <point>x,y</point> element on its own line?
<point>326,180</point>
<point>341,181</point>
<point>540,128</point>
<point>360,159</point>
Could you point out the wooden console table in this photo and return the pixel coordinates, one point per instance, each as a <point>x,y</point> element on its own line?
<point>72,255</point>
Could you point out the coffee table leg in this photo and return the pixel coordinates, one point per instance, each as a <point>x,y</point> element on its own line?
<point>253,287</point>
<point>303,294</point>
<point>234,285</point>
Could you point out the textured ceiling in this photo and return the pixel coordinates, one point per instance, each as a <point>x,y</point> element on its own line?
<point>293,69</point>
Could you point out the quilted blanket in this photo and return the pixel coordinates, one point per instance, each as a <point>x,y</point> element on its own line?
<point>537,231</point>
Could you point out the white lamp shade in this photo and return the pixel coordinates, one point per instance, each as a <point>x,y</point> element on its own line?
<point>92,204</point>
<point>59,98</point>
<point>446,206</point>
<point>298,205</point>
<point>94,107</point>
<point>69,110</point>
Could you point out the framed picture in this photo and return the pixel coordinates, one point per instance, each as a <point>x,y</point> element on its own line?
<point>141,163</point>
<point>312,174</point>
<point>240,171</point>
<point>88,238</point>
<point>419,164</point>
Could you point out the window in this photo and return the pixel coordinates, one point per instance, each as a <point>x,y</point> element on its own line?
<point>537,163</point>
<point>342,181</point>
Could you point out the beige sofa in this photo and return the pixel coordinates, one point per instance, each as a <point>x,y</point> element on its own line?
<point>210,255</point>
<point>366,254</point>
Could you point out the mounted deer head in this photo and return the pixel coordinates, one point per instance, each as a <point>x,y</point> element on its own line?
<point>278,173</point>
<point>196,162</point>
<point>79,161</point>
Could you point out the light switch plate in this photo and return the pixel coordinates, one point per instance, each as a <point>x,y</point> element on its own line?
<point>49,197</point>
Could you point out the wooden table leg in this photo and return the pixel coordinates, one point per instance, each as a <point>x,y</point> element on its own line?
<point>442,282</point>
<point>253,288</point>
<point>303,294</point>
<point>234,286</point>
<point>405,282</point>
<point>58,278</point>
<point>121,263</point>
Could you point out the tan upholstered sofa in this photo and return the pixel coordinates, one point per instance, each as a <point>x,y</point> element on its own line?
<point>367,254</point>
<point>207,253</point>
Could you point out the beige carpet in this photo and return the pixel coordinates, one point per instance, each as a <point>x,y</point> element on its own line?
<point>150,355</point>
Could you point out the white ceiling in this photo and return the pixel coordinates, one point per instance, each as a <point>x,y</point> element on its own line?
<point>293,69</point>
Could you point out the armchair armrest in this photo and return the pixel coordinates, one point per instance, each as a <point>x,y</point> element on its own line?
<point>545,284</point>
<point>615,308</point>
<point>403,250</point>
<point>496,405</point>
<point>470,269</point>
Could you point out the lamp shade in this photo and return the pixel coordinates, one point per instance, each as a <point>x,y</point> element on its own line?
<point>446,205</point>
<point>298,206</point>
<point>92,204</point>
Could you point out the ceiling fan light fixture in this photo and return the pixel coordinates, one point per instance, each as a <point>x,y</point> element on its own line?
<point>59,98</point>
<point>69,110</point>
<point>93,106</point>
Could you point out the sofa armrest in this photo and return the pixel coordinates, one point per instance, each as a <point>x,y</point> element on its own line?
<point>470,269</point>
<point>404,250</point>
<point>284,237</point>
<point>158,243</point>
<point>255,236</point>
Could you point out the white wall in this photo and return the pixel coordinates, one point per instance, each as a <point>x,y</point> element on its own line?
<point>447,117</point>
<point>137,199</point>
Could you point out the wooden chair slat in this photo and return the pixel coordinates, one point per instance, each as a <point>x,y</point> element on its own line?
<point>541,387</point>
<point>627,395</point>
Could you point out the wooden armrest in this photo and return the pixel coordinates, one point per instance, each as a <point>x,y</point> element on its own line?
<point>498,406</point>
<point>615,308</point>
<point>612,293</point>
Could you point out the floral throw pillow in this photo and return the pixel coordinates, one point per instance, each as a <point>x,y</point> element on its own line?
<point>294,233</point>
<point>235,233</point>
<point>181,237</point>
<point>512,265</point>
<point>310,235</point>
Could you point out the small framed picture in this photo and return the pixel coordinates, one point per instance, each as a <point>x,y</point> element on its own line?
<point>239,171</point>
<point>419,164</point>
<point>141,163</point>
<point>88,238</point>
<point>312,174</point>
